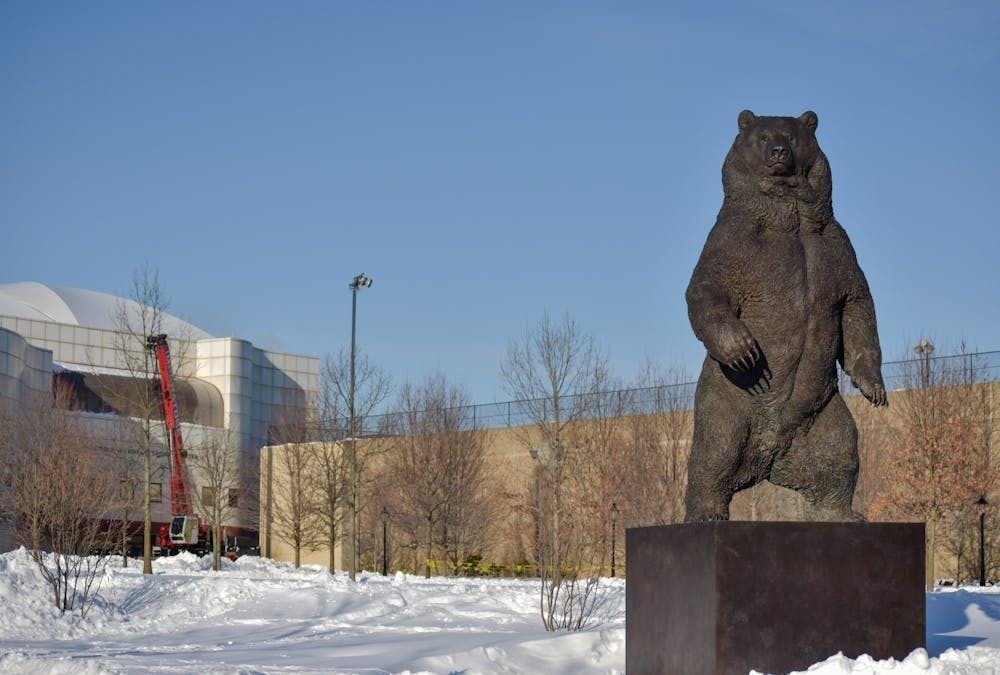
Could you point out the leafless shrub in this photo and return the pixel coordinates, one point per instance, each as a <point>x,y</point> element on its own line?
<point>556,371</point>
<point>570,566</point>
<point>56,489</point>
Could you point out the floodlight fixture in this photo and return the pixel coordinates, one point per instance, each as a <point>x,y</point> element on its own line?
<point>360,281</point>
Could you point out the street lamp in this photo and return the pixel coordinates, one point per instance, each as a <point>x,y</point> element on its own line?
<point>614,534</point>
<point>982,505</point>
<point>357,283</point>
<point>924,349</point>
<point>385,549</point>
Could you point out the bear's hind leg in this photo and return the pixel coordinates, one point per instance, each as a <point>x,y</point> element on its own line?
<point>822,464</point>
<point>720,439</point>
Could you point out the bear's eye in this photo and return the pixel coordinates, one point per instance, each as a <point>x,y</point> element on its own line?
<point>763,138</point>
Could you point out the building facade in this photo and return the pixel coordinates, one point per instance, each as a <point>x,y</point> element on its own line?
<point>227,389</point>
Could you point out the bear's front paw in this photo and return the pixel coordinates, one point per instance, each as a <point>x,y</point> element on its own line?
<point>735,346</point>
<point>872,389</point>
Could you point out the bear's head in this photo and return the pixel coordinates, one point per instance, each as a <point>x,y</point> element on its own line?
<point>776,146</point>
<point>777,170</point>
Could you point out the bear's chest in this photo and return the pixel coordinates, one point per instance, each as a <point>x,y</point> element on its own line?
<point>792,273</point>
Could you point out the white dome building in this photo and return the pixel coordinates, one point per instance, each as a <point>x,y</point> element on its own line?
<point>79,307</point>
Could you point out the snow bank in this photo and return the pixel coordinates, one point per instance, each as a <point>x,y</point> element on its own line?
<point>257,615</point>
<point>28,605</point>
<point>971,661</point>
<point>260,615</point>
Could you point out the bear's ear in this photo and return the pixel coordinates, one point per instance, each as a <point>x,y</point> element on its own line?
<point>746,119</point>
<point>809,120</point>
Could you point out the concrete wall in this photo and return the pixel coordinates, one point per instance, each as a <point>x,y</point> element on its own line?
<point>25,369</point>
<point>508,451</point>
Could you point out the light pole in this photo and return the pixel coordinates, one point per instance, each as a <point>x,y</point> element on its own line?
<point>357,283</point>
<point>924,349</point>
<point>982,504</point>
<point>614,534</point>
<point>385,548</point>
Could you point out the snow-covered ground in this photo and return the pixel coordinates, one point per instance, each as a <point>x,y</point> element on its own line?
<point>258,616</point>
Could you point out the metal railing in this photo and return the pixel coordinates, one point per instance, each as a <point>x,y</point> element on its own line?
<point>980,367</point>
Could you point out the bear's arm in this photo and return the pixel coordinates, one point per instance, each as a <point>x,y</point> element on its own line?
<point>862,354</point>
<point>710,301</point>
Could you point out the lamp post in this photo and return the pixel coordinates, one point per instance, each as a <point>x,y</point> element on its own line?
<point>982,504</point>
<point>924,349</point>
<point>385,548</point>
<point>357,283</point>
<point>614,534</point>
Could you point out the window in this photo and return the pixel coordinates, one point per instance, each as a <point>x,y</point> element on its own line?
<point>208,495</point>
<point>234,497</point>
<point>156,492</point>
<point>126,490</point>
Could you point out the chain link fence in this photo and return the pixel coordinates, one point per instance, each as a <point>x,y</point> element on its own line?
<point>979,367</point>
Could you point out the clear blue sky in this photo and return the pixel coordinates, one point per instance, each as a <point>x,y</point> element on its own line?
<point>485,161</point>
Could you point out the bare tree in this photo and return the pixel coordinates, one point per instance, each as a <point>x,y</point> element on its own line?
<point>291,502</point>
<point>56,492</point>
<point>329,478</point>
<point>600,466</point>
<point>137,395</point>
<point>942,456</point>
<point>371,388</point>
<point>327,483</point>
<point>555,371</point>
<point>127,467</point>
<point>876,435</point>
<point>474,505</point>
<point>656,445</point>
<point>217,464</point>
<point>437,466</point>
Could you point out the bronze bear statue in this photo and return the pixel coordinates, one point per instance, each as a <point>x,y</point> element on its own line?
<point>778,298</point>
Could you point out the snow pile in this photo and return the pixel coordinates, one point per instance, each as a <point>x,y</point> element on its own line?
<point>971,661</point>
<point>27,602</point>
<point>257,615</point>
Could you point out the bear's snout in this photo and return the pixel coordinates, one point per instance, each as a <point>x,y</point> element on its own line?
<point>779,158</point>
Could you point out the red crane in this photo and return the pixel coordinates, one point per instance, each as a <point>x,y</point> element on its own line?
<point>184,525</point>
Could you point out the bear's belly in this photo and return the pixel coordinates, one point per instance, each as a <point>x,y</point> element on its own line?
<point>775,306</point>
<point>792,307</point>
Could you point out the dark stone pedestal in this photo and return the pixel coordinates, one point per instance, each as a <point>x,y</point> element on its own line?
<point>728,597</point>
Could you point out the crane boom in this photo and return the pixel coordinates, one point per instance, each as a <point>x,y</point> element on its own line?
<point>179,496</point>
